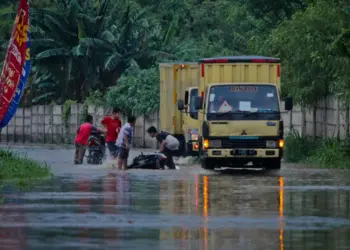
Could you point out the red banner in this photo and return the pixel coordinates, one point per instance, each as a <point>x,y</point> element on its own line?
<point>15,58</point>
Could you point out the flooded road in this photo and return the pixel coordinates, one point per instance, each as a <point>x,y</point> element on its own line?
<point>95,207</point>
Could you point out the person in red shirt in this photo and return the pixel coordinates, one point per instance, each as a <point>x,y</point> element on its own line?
<point>112,124</point>
<point>81,140</point>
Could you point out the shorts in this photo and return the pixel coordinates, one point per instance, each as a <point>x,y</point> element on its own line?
<point>113,149</point>
<point>123,153</point>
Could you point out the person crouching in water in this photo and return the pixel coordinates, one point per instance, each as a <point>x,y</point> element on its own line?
<point>81,140</point>
<point>169,145</point>
<point>124,142</point>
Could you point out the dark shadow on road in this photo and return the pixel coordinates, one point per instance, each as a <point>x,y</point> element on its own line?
<point>250,172</point>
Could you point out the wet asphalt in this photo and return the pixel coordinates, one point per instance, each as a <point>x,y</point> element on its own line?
<point>98,207</point>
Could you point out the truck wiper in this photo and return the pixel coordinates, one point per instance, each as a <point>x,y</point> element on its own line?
<point>225,113</point>
<point>245,113</point>
<point>248,113</point>
<point>230,112</point>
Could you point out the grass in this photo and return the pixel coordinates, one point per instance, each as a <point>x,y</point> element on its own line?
<point>322,152</point>
<point>20,170</point>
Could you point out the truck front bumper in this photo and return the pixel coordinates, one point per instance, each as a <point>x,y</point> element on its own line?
<point>244,153</point>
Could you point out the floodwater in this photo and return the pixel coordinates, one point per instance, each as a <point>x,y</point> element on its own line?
<point>95,207</point>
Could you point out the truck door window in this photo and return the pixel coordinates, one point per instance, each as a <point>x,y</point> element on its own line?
<point>193,111</point>
<point>186,102</point>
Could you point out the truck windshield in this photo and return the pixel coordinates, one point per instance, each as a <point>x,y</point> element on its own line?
<point>243,102</point>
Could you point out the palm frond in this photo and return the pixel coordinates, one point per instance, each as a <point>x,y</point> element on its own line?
<point>60,52</point>
<point>112,61</point>
<point>96,43</point>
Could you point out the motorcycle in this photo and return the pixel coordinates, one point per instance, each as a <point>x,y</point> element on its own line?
<point>149,161</point>
<point>96,149</point>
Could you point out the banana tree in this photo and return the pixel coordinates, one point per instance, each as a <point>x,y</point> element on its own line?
<point>57,50</point>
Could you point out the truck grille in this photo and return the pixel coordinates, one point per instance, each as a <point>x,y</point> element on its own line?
<point>243,143</point>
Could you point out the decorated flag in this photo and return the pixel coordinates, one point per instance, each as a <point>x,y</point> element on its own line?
<point>16,67</point>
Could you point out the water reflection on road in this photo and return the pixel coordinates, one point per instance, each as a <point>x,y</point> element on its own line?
<point>187,209</point>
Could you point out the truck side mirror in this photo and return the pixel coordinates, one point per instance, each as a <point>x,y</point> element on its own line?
<point>198,103</point>
<point>180,105</point>
<point>186,97</point>
<point>288,103</point>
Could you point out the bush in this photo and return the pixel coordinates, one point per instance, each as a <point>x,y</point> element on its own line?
<point>13,167</point>
<point>298,148</point>
<point>329,152</point>
<point>136,92</point>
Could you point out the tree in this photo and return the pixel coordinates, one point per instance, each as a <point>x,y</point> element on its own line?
<point>273,12</point>
<point>310,66</point>
<point>60,57</point>
<point>137,91</point>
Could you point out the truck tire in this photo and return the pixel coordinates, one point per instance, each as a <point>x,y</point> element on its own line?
<point>273,164</point>
<point>182,149</point>
<point>188,150</point>
<point>208,163</point>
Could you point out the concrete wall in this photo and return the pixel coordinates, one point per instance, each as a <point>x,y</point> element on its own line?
<point>44,124</point>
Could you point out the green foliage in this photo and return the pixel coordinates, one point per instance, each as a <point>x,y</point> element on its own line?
<point>326,152</point>
<point>95,98</point>
<point>272,12</point>
<point>20,170</point>
<point>311,69</point>
<point>67,111</point>
<point>136,92</point>
<point>298,148</point>
<point>81,48</point>
<point>84,113</point>
<point>65,116</point>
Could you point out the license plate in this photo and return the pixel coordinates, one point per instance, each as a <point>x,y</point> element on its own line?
<point>142,162</point>
<point>244,152</point>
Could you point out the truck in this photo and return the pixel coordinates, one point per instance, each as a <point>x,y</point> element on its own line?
<point>239,119</point>
<point>180,80</point>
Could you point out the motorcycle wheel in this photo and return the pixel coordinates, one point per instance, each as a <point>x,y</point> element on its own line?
<point>96,161</point>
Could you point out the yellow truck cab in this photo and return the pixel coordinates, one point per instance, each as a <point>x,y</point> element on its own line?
<point>239,120</point>
<point>180,80</point>
<point>190,120</point>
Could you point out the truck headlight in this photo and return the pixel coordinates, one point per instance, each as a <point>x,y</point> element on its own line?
<point>215,143</point>
<point>271,144</point>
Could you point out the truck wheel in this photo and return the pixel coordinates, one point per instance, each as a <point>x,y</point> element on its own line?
<point>188,149</point>
<point>273,164</point>
<point>182,148</point>
<point>207,163</point>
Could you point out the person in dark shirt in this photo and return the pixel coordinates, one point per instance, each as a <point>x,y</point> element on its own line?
<point>169,145</point>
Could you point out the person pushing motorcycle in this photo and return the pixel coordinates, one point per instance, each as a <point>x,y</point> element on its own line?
<point>169,145</point>
<point>81,140</point>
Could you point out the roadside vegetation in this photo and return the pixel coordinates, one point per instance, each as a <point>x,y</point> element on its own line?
<point>328,153</point>
<point>20,170</point>
<point>120,43</point>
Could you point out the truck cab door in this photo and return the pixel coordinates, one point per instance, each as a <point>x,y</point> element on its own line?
<point>186,117</point>
<point>191,122</point>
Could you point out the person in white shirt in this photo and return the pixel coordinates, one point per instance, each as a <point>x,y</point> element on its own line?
<point>124,142</point>
<point>169,145</point>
